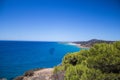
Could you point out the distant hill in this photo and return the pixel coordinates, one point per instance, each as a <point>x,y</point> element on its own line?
<point>91,42</point>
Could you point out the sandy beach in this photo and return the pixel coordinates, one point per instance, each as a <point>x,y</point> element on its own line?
<point>78,45</point>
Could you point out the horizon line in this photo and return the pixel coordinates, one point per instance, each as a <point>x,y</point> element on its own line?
<point>55,41</point>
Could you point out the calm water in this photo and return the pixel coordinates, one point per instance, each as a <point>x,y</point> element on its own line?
<point>16,57</point>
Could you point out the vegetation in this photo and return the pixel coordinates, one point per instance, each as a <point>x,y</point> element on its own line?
<point>100,62</point>
<point>91,42</point>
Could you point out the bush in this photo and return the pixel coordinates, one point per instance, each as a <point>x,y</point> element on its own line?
<point>105,57</point>
<point>74,58</point>
<point>100,62</point>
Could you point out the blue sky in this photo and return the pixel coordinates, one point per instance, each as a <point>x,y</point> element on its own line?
<point>59,20</point>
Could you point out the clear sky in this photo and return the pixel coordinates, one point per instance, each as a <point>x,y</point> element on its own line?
<point>59,20</point>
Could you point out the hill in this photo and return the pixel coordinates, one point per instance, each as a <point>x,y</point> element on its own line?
<point>91,42</point>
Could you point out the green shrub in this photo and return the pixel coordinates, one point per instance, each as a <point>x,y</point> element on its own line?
<point>107,59</point>
<point>74,72</point>
<point>100,62</point>
<point>74,58</point>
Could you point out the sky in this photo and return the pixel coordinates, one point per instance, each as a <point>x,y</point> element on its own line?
<point>59,20</point>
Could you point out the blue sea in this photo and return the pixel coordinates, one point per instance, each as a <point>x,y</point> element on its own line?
<point>16,57</point>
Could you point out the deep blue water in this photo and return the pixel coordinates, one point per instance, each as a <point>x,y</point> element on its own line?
<point>16,57</point>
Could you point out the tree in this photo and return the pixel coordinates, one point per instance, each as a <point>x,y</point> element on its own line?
<point>100,62</point>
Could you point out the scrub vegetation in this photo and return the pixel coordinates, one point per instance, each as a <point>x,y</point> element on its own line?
<point>100,62</point>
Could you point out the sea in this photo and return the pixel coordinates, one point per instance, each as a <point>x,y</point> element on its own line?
<point>17,57</point>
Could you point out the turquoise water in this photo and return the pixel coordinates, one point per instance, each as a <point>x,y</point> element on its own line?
<point>16,57</point>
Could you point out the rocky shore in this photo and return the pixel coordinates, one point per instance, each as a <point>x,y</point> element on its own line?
<point>42,74</point>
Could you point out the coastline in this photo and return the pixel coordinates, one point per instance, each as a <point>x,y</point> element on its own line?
<point>45,73</point>
<point>77,45</point>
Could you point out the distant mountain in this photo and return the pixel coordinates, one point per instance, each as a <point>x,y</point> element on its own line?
<point>91,42</point>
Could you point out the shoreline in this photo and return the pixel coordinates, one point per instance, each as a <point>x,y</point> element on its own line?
<point>77,45</point>
<point>42,73</point>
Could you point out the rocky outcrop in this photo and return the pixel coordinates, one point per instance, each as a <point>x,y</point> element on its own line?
<point>43,74</point>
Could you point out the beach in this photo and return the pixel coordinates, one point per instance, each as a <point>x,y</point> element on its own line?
<point>76,44</point>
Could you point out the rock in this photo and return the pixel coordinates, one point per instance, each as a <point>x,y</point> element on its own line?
<point>42,74</point>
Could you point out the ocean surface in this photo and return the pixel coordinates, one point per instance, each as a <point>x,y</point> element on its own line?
<point>16,57</point>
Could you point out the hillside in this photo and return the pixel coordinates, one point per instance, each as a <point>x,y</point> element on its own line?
<point>91,42</point>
